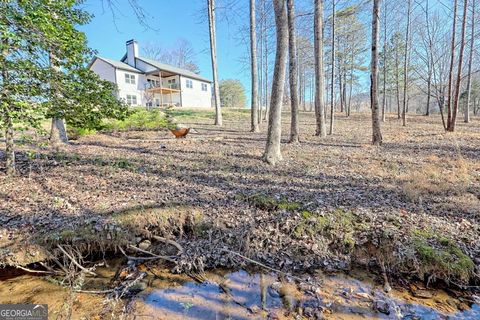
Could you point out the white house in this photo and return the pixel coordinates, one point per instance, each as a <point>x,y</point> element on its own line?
<point>146,82</point>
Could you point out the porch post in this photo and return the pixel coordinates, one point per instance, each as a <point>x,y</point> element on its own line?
<point>161,90</point>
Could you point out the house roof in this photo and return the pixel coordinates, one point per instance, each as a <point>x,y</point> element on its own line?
<point>172,69</point>
<point>116,64</point>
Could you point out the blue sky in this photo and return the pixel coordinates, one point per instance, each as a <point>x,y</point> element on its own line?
<point>171,19</point>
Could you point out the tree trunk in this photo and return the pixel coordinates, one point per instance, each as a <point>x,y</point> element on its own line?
<point>430,64</point>
<point>293,72</point>
<point>9,150</point>
<point>377,134</point>
<point>429,91</point>
<point>58,132</point>
<point>397,81</point>
<point>253,52</point>
<point>405,65</point>
<point>340,81</point>
<point>466,118</point>
<point>452,60</point>
<point>272,150</point>
<point>340,86</point>
<point>451,127</point>
<point>266,60</point>
<point>349,105</point>
<point>332,94</point>
<point>321,129</point>
<point>213,52</point>
<point>384,101</point>
<point>345,89</point>
<point>260,71</point>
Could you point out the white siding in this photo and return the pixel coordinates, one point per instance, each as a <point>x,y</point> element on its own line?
<point>104,70</point>
<point>195,97</point>
<point>145,67</point>
<point>131,89</point>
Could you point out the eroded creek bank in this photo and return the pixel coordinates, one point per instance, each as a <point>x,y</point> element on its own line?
<point>412,252</point>
<point>227,294</point>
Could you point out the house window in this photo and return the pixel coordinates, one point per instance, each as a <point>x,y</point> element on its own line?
<point>172,83</point>
<point>129,78</point>
<point>157,102</point>
<point>204,87</point>
<point>131,100</point>
<point>189,84</point>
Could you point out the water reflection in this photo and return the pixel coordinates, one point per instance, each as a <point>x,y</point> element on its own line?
<point>243,295</point>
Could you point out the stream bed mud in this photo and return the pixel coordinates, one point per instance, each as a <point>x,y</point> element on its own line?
<point>241,294</point>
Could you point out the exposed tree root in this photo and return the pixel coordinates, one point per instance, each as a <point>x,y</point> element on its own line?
<point>171,242</point>
<point>75,261</point>
<point>35,271</point>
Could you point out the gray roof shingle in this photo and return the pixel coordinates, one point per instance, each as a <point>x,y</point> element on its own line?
<point>120,65</point>
<point>172,69</point>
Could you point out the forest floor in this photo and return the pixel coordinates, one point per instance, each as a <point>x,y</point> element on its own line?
<point>410,207</point>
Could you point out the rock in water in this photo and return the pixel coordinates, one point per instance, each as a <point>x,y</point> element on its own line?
<point>381,306</point>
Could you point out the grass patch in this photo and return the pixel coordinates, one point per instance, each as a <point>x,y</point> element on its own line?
<point>266,202</point>
<point>337,227</point>
<point>438,177</point>
<point>440,256</point>
<point>76,133</point>
<point>176,220</point>
<point>188,115</point>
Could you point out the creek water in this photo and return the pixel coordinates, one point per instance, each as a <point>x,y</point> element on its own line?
<point>222,294</point>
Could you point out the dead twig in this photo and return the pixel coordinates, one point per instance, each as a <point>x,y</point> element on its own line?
<point>58,263</point>
<point>153,257</point>
<point>35,271</point>
<point>75,261</point>
<point>95,291</point>
<point>156,256</point>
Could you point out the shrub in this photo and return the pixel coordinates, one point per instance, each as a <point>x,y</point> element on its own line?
<point>140,120</point>
<point>75,133</point>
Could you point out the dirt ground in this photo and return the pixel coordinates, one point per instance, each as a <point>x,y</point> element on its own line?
<point>331,202</point>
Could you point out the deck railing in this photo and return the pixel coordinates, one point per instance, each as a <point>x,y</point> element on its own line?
<point>152,85</point>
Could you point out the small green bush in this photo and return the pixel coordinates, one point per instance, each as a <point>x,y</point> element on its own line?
<point>140,120</point>
<point>75,133</point>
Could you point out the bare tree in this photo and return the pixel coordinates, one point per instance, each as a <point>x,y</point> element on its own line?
<point>213,52</point>
<point>451,125</point>
<point>253,53</point>
<point>405,65</point>
<point>452,61</point>
<point>140,13</point>
<point>293,72</point>
<point>272,150</point>
<point>397,79</point>
<point>181,55</point>
<point>470,59</point>
<point>384,100</point>
<point>319,70</point>
<point>377,134</point>
<point>332,88</point>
